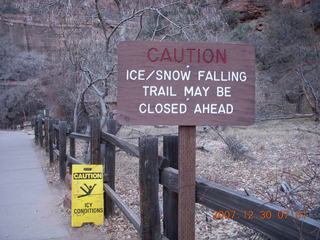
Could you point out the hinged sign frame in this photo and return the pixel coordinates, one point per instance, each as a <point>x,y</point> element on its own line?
<point>87,195</point>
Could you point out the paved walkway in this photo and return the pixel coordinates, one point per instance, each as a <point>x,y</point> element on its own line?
<point>27,206</point>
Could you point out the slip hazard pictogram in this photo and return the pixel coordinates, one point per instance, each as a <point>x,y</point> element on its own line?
<point>87,195</point>
<point>87,191</point>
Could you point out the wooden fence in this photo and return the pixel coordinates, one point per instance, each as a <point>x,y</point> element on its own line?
<point>12,126</point>
<point>277,223</point>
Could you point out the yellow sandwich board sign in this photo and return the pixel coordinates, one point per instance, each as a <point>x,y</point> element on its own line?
<point>87,195</point>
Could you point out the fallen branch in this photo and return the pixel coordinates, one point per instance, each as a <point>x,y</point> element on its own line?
<point>292,116</point>
<point>284,187</point>
<point>308,131</point>
<point>235,147</point>
<point>203,149</point>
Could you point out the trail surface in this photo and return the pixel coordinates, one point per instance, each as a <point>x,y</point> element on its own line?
<point>27,206</point>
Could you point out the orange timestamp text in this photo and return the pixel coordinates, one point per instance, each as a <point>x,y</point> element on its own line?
<point>261,214</point>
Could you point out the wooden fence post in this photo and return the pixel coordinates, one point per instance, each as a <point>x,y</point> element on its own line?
<point>187,195</point>
<point>40,130</point>
<point>95,140</point>
<point>72,143</point>
<point>56,132</point>
<point>36,137</point>
<point>149,188</point>
<point>46,134</point>
<point>51,139</point>
<point>62,148</point>
<point>109,167</point>
<point>72,148</point>
<point>170,198</point>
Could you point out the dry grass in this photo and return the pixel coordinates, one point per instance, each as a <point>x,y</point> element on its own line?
<point>277,151</point>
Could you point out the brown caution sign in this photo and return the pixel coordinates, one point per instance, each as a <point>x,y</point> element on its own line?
<point>87,195</point>
<point>186,83</point>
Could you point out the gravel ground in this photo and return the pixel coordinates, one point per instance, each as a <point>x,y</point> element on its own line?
<point>275,151</point>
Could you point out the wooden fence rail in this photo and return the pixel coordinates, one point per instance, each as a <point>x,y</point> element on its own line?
<point>154,170</point>
<point>20,125</point>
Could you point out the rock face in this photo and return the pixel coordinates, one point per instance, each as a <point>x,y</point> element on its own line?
<point>298,3</point>
<point>254,9</point>
<point>35,32</point>
<point>248,9</point>
<point>29,35</point>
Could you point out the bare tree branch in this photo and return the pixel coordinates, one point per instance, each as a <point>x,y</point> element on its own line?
<point>140,26</point>
<point>139,13</point>
<point>155,28</point>
<point>310,93</point>
<point>104,29</point>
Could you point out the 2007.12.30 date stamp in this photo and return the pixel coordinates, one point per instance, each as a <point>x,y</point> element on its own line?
<point>261,214</point>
